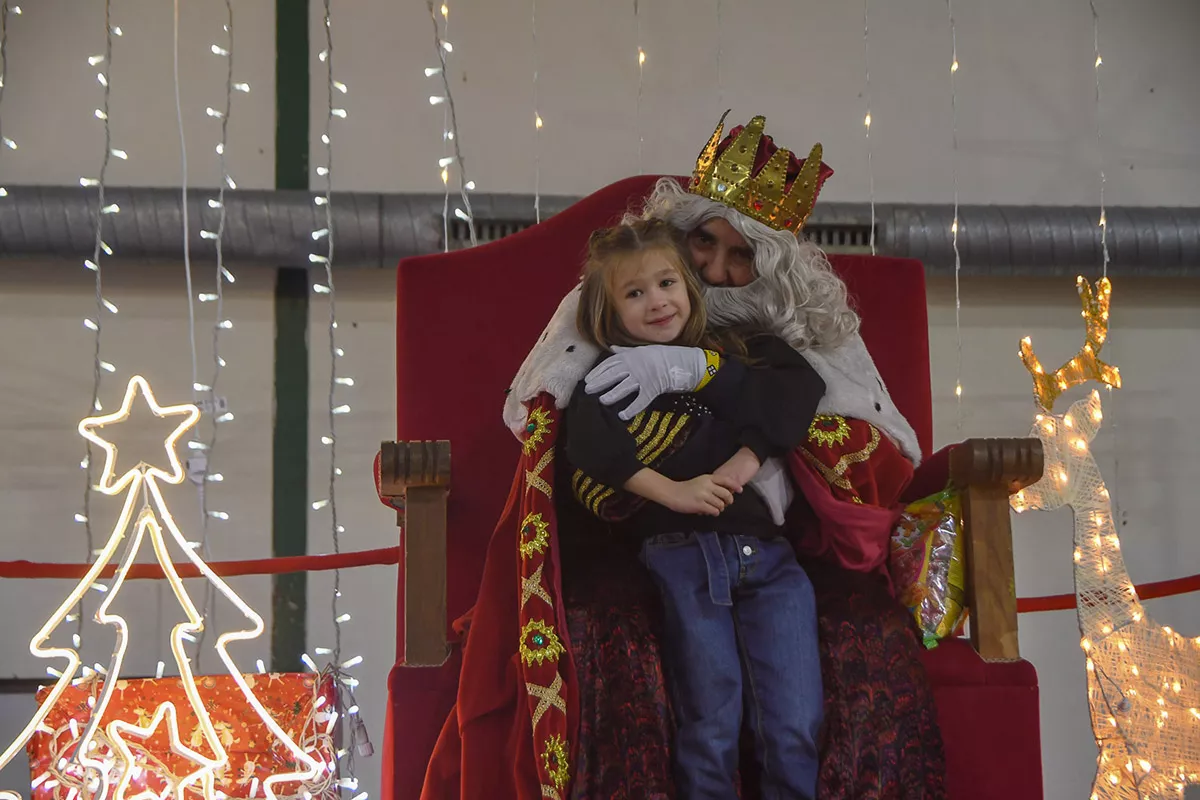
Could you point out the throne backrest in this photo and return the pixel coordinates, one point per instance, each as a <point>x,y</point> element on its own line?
<point>465,321</point>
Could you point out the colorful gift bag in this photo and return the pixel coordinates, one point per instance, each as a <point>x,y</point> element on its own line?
<point>927,565</point>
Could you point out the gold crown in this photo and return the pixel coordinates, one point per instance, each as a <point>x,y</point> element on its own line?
<point>729,179</point>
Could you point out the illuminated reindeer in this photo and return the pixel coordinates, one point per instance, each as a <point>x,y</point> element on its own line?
<point>1143,679</point>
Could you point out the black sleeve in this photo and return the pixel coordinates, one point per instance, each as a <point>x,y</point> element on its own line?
<point>770,401</point>
<point>598,441</point>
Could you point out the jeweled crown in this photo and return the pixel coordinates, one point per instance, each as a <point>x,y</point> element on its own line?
<point>763,195</point>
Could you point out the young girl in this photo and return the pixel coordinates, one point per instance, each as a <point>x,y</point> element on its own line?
<point>741,637</point>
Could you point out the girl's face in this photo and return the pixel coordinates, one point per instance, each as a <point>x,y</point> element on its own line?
<point>650,297</point>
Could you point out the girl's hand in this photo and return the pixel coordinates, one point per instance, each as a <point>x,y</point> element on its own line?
<point>739,469</point>
<point>704,494</point>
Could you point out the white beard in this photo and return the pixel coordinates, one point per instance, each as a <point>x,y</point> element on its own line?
<point>732,306</point>
<point>853,387</point>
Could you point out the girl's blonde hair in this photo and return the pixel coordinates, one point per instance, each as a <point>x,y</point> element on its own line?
<point>608,248</point>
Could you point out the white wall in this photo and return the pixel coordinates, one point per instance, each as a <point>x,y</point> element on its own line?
<point>1027,135</point>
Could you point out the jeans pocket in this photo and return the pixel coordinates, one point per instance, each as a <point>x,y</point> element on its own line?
<point>781,546</point>
<point>657,546</point>
<point>666,540</point>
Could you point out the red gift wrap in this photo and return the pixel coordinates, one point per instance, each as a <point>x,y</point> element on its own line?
<point>294,701</point>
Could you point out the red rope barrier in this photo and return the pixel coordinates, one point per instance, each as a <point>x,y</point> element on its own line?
<point>260,566</point>
<point>388,556</point>
<point>1145,591</point>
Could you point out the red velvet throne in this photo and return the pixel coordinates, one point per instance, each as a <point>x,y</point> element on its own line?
<point>465,321</point>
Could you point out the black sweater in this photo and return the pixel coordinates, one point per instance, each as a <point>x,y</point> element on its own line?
<point>766,405</point>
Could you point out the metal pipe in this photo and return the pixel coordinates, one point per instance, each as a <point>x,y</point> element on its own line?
<point>1045,240</point>
<point>376,230</point>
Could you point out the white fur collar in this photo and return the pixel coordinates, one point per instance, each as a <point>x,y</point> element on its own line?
<point>853,387</point>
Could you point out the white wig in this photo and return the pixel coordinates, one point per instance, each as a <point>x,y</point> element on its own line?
<point>796,294</point>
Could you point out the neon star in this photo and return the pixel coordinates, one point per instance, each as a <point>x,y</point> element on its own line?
<point>166,711</point>
<point>189,413</point>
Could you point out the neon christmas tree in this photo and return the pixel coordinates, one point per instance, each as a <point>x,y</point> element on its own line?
<point>104,764</point>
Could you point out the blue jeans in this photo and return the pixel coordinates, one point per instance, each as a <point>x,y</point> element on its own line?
<point>741,636</point>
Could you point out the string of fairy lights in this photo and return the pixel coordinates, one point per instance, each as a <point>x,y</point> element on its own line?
<point>337,666</point>
<point>451,150</point>
<point>537,117</point>
<point>641,62</point>
<point>954,225</point>
<point>1096,64</point>
<point>5,10</point>
<point>1110,397</point>
<point>201,460</point>
<point>867,116</point>
<point>193,445</point>
<point>222,274</point>
<point>95,264</point>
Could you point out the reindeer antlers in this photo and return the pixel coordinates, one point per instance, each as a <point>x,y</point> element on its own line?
<point>1086,365</point>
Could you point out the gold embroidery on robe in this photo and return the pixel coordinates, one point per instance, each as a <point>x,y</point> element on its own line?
<point>836,475</point>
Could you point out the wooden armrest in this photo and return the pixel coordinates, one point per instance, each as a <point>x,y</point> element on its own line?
<point>987,471</point>
<point>416,477</point>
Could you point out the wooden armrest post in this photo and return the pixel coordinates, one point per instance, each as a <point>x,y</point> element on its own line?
<point>416,476</point>
<point>987,471</point>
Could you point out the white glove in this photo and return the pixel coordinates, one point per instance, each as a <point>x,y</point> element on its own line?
<point>774,485</point>
<point>649,370</point>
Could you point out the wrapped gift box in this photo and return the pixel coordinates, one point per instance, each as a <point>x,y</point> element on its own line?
<point>255,753</point>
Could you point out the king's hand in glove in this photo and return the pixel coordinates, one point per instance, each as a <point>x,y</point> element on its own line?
<point>648,370</point>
